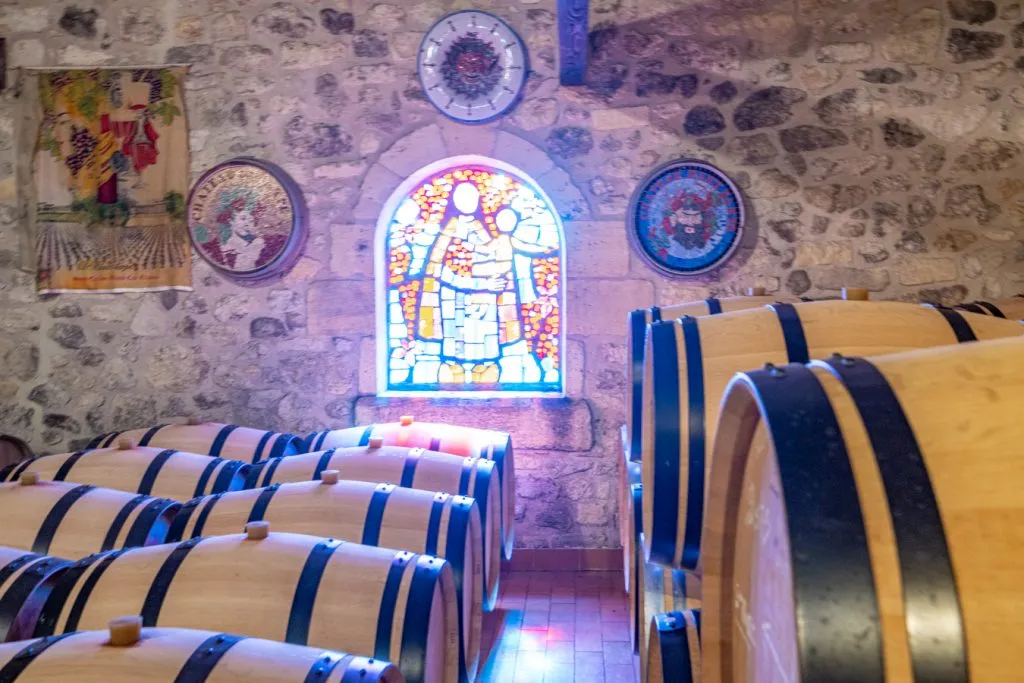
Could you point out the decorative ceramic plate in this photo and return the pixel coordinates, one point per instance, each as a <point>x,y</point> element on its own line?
<point>247,219</point>
<point>472,66</point>
<point>686,218</point>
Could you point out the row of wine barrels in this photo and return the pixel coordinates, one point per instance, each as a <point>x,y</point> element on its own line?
<point>151,471</point>
<point>888,499</point>
<point>409,468</point>
<point>128,653</point>
<point>674,652</point>
<point>20,574</point>
<point>1011,309</point>
<point>467,442</point>
<point>660,589</point>
<point>302,590</point>
<point>210,438</point>
<point>13,450</point>
<point>75,520</point>
<point>690,361</point>
<point>636,331</point>
<point>361,512</point>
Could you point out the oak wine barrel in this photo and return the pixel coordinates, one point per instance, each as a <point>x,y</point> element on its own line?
<point>628,528</point>
<point>467,442</point>
<point>633,556</point>
<point>674,652</point>
<point>636,331</point>
<point>660,589</point>
<point>409,468</point>
<point>210,438</point>
<point>13,450</point>
<point>303,590</point>
<point>1011,309</point>
<point>381,515</point>
<point>690,361</point>
<point>75,520</point>
<point>888,504</point>
<point>140,469</point>
<point>20,574</point>
<point>128,653</point>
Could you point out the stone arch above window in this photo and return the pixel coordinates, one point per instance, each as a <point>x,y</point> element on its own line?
<point>470,279</point>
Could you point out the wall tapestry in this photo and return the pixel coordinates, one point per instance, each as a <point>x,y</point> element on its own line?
<point>110,176</point>
<point>472,66</point>
<point>472,286</point>
<point>686,218</point>
<point>247,219</point>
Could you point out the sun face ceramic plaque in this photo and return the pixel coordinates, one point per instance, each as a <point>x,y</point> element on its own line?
<point>472,66</point>
<point>686,218</point>
<point>247,219</point>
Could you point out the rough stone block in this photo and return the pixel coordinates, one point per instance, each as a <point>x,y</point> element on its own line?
<point>872,279</point>
<point>624,117</point>
<point>568,199</point>
<point>368,365</point>
<point>553,424</point>
<point>925,271</point>
<point>822,254</point>
<point>524,155</point>
<point>599,307</point>
<point>352,252</point>
<point>596,249</point>
<point>462,139</point>
<point>378,184</point>
<point>340,307</point>
<point>414,151</point>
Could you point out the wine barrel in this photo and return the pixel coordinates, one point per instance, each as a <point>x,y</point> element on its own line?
<point>887,499</point>
<point>628,528</point>
<point>635,560</point>
<point>75,520</point>
<point>674,652</point>
<point>468,442</point>
<point>409,468</point>
<point>128,653</point>
<point>636,331</point>
<point>303,590</point>
<point>20,574</point>
<point>361,512</point>
<point>1011,309</point>
<point>151,471</point>
<point>13,450</point>
<point>660,589</point>
<point>210,438</point>
<point>692,359</point>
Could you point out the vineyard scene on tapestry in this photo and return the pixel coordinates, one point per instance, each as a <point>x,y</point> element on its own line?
<point>111,174</point>
<point>472,299</point>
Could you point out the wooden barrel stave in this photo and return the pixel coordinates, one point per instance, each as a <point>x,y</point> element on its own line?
<point>463,441</point>
<point>21,573</point>
<point>916,497</point>
<point>164,473</point>
<point>169,654</point>
<point>210,438</point>
<point>302,590</point>
<point>380,515</point>
<point>674,652</point>
<point>636,326</point>
<point>411,468</point>
<point>75,520</point>
<point>692,361</point>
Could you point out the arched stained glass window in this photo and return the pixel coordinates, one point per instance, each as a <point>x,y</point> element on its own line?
<point>469,283</point>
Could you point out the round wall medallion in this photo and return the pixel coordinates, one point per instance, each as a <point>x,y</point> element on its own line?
<point>472,66</point>
<point>247,219</point>
<point>686,218</point>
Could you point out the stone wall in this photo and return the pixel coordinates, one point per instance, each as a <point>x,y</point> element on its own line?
<point>879,144</point>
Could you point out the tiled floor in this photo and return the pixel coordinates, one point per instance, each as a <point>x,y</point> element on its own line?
<point>559,627</point>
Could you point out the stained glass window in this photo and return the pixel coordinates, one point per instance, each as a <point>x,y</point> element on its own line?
<point>471,296</point>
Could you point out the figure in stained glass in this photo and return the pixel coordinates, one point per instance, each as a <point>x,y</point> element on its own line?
<point>473,297</point>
